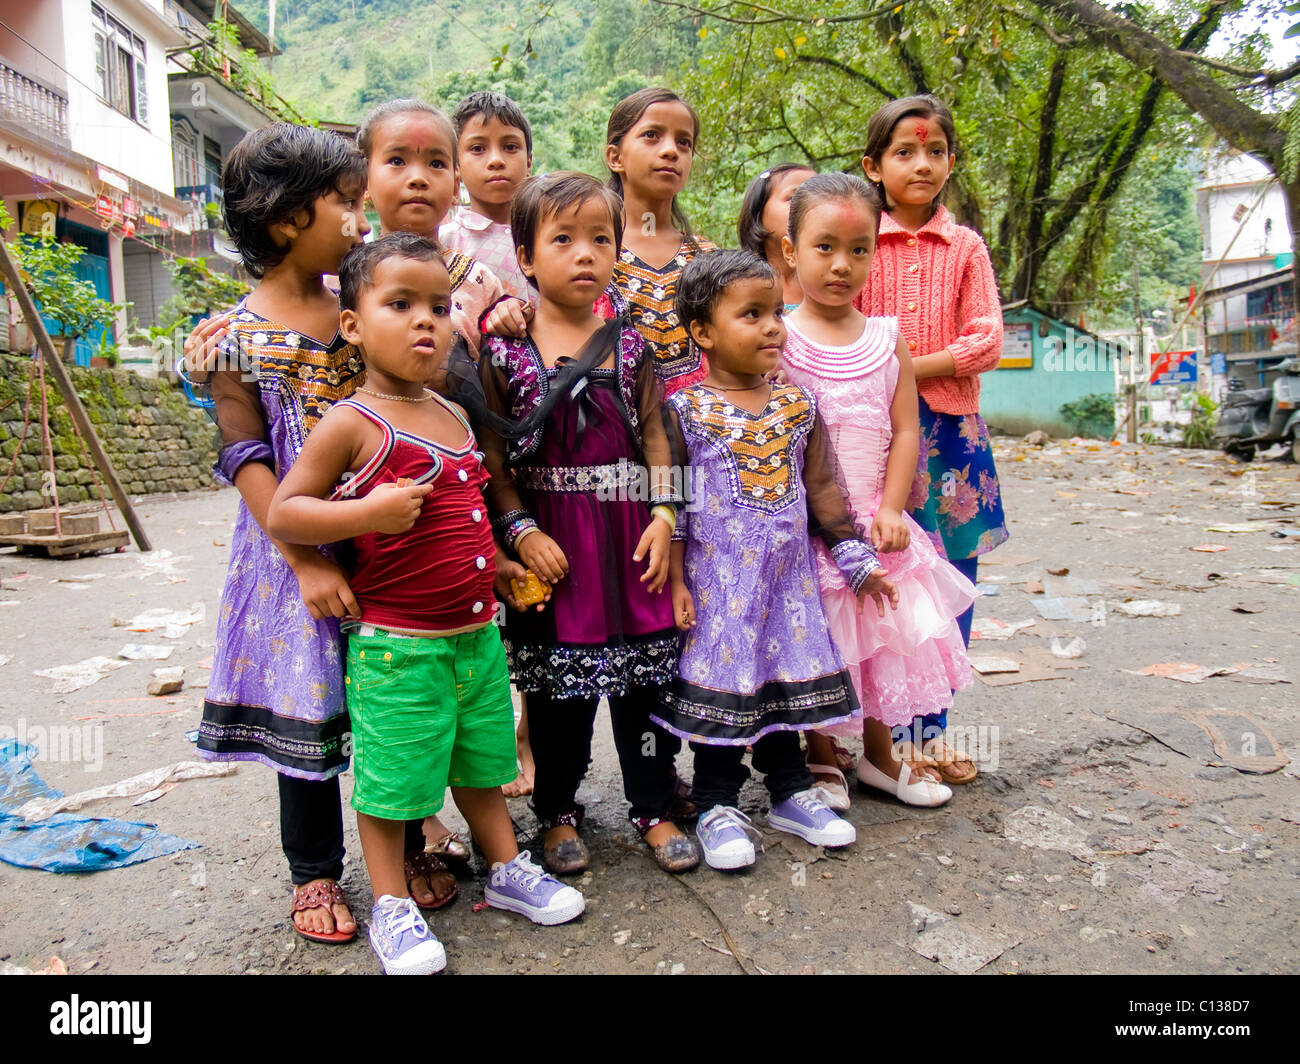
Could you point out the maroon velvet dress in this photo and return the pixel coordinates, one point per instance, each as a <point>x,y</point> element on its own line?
<point>581,477</point>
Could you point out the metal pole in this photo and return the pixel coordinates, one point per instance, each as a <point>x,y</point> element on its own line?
<point>70,398</point>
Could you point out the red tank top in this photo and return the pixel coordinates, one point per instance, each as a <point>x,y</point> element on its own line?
<point>438,575</point>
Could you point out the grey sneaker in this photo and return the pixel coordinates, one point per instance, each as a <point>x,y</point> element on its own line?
<point>522,887</point>
<point>402,940</point>
<point>806,815</point>
<point>724,833</point>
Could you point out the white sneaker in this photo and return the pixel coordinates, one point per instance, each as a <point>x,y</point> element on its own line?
<point>402,940</point>
<point>724,833</point>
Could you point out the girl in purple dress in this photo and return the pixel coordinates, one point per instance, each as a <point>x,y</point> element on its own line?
<point>758,665</point>
<point>582,494</point>
<point>293,207</point>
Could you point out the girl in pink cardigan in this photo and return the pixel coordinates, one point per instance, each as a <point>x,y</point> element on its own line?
<point>935,277</point>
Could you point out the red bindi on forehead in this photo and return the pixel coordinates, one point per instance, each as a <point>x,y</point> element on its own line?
<point>922,131</point>
<point>848,216</point>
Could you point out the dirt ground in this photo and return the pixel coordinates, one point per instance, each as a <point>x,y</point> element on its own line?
<point>1104,834</point>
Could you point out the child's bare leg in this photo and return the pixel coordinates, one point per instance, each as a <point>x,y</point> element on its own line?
<point>878,741</point>
<point>489,821</point>
<point>821,751</point>
<point>382,843</point>
<point>523,783</point>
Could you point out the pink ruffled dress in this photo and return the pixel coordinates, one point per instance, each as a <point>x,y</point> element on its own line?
<point>910,661</point>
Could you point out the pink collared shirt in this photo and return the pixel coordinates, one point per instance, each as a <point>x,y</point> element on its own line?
<point>488,241</point>
<point>938,282</point>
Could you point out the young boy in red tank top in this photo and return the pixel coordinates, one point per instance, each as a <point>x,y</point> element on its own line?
<point>396,470</point>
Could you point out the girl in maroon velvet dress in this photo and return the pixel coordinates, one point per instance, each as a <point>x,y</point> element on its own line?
<point>581,493</point>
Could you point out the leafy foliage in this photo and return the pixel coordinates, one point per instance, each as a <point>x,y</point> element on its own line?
<point>1199,432</point>
<point>50,272</point>
<point>199,291</point>
<point>1092,415</point>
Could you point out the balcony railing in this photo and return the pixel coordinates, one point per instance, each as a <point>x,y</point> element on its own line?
<point>32,104</point>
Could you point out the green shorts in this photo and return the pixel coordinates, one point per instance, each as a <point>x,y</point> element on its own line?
<point>427,714</point>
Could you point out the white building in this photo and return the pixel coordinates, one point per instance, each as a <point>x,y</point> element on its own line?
<point>1248,294</point>
<point>116,118</point>
<point>84,109</point>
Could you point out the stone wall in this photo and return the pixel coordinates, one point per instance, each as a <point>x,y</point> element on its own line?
<point>155,439</point>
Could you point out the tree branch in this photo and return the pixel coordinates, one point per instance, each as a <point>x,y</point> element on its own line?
<point>777,16</point>
<point>1030,261</point>
<point>1266,78</point>
<point>1236,122</point>
<point>844,68</point>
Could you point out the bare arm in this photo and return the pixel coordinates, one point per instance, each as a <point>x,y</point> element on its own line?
<point>301,511</point>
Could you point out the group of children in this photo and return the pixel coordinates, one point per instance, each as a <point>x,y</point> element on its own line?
<point>718,490</point>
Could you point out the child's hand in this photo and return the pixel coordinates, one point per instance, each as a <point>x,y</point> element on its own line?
<point>777,377</point>
<point>393,508</point>
<point>508,572</point>
<point>543,556</point>
<point>880,589</point>
<point>683,606</point>
<point>510,317</point>
<point>654,539</point>
<point>889,531</point>
<point>324,589</point>
<point>204,339</point>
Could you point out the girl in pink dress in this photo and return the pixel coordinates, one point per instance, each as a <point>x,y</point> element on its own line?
<point>859,370</point>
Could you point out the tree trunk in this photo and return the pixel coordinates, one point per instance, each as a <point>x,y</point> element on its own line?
<point>1027,273</point>
<point>1238,123</point>
<point>1291,190</point>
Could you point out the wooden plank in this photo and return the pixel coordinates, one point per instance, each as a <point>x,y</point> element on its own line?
<point>70,398</point>
<point>63,546</point>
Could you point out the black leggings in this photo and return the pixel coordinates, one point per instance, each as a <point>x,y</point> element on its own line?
<point>720,771</point>
<point>560,733</point>
<point>311,828</point>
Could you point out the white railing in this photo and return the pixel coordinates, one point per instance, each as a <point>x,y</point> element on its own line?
<point>37,106</point>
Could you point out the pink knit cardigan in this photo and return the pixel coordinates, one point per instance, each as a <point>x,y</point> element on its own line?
<point>938,282</point>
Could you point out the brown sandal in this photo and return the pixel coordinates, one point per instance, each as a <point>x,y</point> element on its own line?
<point>419,864</point>
<point>321,894</point>
<point>953,766</point>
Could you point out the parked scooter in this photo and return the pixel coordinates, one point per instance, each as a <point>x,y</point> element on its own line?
<point>1261,417</point>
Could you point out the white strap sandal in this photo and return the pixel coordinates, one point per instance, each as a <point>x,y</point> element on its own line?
<point>923,793</point>
<point>834,794</point>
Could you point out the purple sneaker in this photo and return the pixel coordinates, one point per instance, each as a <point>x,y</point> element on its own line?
<point>402,940</point>
<point>724,834</point>
<point>522,887</point>
<point>806,815</point>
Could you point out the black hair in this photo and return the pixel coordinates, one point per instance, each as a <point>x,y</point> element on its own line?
<point>487,105</point>
<point>626,114</point>
<point>749,226</point>
<point>357,272</point>
<point>405,106</point>
<point>825,187</point>
<point>706,277</point>
<point>274,174</point>
<point>880,132</point>
<point>541,197</point>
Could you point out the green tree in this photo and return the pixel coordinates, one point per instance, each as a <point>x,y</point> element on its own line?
<point>50,273</point>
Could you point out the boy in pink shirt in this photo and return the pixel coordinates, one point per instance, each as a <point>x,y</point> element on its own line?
<point>495,146</point>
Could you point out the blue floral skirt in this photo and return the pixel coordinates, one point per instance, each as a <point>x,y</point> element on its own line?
<point>955,497</point>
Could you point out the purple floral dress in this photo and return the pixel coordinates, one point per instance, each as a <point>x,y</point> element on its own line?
<point>760,657</point>
<point>276,692</point>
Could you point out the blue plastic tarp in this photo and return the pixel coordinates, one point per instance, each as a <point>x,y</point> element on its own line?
<point>64,842</point>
